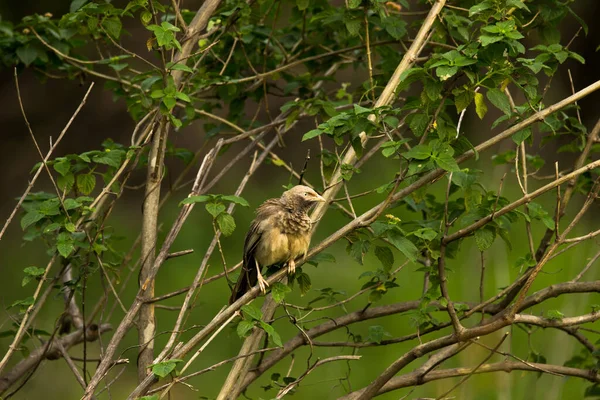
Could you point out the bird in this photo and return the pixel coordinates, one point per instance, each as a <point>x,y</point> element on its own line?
<point>279,234</point>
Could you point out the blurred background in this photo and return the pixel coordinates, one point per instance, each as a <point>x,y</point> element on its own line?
<point>50,104</point>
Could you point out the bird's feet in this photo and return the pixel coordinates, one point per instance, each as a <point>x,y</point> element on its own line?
<point>291,267</point>
<point>262,283</point>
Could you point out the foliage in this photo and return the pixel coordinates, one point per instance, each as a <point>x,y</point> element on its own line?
<point>476,59</point>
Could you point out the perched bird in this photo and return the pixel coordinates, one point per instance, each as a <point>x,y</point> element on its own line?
<point>279,234</point>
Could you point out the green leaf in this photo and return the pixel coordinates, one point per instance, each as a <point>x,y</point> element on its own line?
<point>479,7</point>
<point>76,5</point>
<point>403,244</point>
<point>64,244</point>
<point>214,209</point>
<point>272,333</point>
<point>427,234</point>
<point>385,256</point>
<point>180,67</point>
<point>311,134</point>
<point>419,152</point>
<point>169,102</point>
<point>113,26</point>
<point>358,249</point>
<point>109,157</point>
<point>321,257</point>
<point>164,368</point>
<point>555,315</point>
<point>480,106</point>
<point>252,312</point>
<point>499,99</point>
<point>279,290</point>
<point>30,218</point>
<point>194,199</point>
<point>395,27</point>
<point>27,54</point>
<point>522,135</point>
<point>304,282</point>
<point>86,183</point>
<point>71,204</point>
<point>302,4</point>
<point>150,397</point>
<point>226,223</point>
<point>236,199</point>
<point>446,162</point>
<point>32,273</point>
<point>376,333</point>
<point>183,97</point>
<point>484,238</point>
<point>244,327</point>
<point>353,26</point>
<point>418,124</point>
<point>462,99</point>
<point>65,182</point>
<point>62,167</point>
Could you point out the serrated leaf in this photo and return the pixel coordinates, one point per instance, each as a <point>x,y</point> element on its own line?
<point>76,5</point>
<point>272,333</point>
<point>358,250</point>
<point>27,54</point>
<point>181,67</point>
<point>425,233</point>
<point>418,124</point>
<point>214,209</point>
<point>385,256</point>
<point>244,327</point>
<point>480,106</point>
<point>446,162</point>
<point>479,7</point>
<point>405,246</point>
<point>30,218</point>
<point>484,238</point>
<point>65,182</point>
<point>419,152</point>
<point>395,27</point>
<point>279,290</point>
<point>522,135</point>
<point>226,223</point>
<point>555,315</point>
<point>236,199</point>
<point>183,97</point>
<point>194,199</point>
<point>62,167</point>
<point>321,257</point>
<point>164,368</point>
<point>71,204</point>
<point>376,333</point>
<point>353,26</point>
<point>252,311</point>
<point>86,183</point>
<point>302,4</point>
<point>311,134</point>
<point>64,244</point>
<point>499,99</point>
<point>303,282</point>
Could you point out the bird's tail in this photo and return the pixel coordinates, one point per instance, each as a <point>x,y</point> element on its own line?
<point>247,279</point>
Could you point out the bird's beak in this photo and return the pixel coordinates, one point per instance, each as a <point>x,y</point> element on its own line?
<point>319,198</point>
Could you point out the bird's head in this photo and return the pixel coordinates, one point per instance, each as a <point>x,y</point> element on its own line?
<point>301,197</point>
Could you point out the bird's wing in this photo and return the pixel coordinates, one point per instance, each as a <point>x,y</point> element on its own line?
<point>249,274</point>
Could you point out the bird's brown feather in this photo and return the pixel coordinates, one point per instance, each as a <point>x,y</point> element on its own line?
<point>279,234</point>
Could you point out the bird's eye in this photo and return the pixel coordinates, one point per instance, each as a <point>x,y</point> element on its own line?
<point>305,193</point>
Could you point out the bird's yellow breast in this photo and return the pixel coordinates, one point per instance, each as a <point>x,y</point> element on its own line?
<point>276,247</point>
